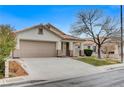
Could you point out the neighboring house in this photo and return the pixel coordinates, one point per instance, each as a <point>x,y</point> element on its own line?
<point>111,48</point>
<point>46,41</point>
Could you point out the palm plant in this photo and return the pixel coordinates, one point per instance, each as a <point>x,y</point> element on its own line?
<point>7,44</point>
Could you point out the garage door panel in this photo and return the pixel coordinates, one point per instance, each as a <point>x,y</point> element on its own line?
<point>37,49</point>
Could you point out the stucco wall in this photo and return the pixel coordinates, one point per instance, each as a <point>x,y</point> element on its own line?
<point>33,35</point>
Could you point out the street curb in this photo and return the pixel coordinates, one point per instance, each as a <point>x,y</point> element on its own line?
<point>31,83</point>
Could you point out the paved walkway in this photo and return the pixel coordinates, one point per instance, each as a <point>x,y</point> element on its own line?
<point>112,67</point>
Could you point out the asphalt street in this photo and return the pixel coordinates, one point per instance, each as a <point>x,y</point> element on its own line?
<point>113,78</point>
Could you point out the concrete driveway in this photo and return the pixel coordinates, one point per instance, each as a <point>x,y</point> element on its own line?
<point>57,68</point>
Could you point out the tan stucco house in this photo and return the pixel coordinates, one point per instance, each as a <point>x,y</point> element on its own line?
<point>46,41</point>
<point>111,48</point>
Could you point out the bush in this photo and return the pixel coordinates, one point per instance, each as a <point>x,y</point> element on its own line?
<point>1,66</point>
<point>7,44</point>
<point>88,52</point>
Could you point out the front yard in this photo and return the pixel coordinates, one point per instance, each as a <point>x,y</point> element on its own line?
<point>98,62</point>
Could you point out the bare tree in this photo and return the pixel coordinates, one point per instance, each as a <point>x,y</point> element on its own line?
<point>95,25</point>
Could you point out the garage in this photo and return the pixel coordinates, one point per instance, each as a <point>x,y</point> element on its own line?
<point>30,49</point>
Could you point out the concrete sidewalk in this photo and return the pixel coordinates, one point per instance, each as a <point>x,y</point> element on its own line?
<point>112,67</point>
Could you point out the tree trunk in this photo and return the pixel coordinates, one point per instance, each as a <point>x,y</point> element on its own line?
<point>99,51</point>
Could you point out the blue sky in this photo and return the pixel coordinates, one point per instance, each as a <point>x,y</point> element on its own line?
<point>62,16</point>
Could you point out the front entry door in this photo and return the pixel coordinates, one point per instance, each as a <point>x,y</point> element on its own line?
<point>67,49</point>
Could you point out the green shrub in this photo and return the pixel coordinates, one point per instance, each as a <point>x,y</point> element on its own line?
<point>2,67</point>
<point>88,52</point>
<point>1,75</point>
<point>7,44</point>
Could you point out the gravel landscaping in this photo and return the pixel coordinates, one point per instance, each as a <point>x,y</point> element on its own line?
<point>15,70</point>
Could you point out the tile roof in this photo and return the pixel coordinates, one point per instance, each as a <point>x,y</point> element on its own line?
<point>52,29</point>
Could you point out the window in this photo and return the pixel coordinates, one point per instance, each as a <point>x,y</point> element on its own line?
<point>40,31</point>
<point>112,52</point>
<point>88,47</point>
<point>62,44</point>
<point>94,48</point>
<point>78,46</point>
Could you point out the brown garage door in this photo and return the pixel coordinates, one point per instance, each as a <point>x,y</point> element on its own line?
<point>30,49</point>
